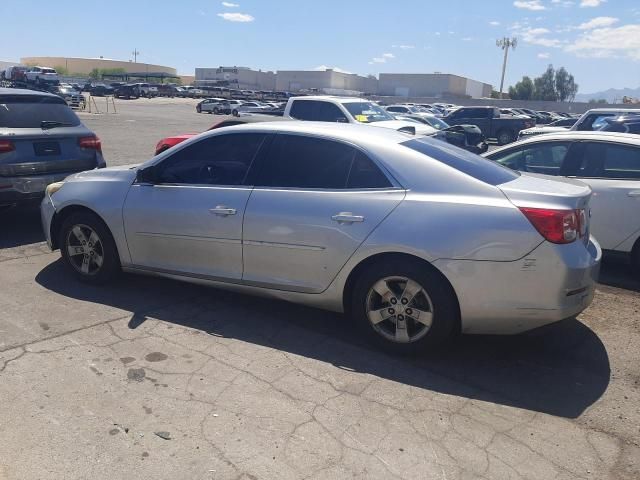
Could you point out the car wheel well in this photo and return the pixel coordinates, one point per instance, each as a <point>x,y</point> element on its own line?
<point>62,215</point>
<point>364,264</point>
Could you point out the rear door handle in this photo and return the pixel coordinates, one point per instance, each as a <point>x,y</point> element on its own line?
<point>347,217</point>
<point>222,211</point>
<point>634,193</point>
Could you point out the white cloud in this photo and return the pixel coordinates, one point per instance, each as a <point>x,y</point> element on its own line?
<point>598,22</point>
<point>230,5</point>
<point>322,68</point>
<point>466,39</point>
<point>404,47</point>
<point>611,42</point>
<point>236,17</point>
<point>494,23</point>
<point>437,34</point>
<point>382,58</point>
<point>388,55</point>
<point>591,3</point>
<point>536,36</point>
<point>529,4</point>
<point>563,3</point>
<point>544,55</point>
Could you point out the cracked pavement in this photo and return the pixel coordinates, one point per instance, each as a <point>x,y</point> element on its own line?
<point>152,378</point>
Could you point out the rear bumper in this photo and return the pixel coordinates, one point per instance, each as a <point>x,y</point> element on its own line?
<point>26,189</point>
<point>552,283</point>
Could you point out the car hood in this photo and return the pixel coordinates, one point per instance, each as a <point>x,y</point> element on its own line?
<point>420,129</point>
<point>122,173</point>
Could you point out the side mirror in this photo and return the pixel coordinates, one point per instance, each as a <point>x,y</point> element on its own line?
<point>147,175</point>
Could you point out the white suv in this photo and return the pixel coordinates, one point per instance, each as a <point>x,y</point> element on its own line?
<point>42,75</point>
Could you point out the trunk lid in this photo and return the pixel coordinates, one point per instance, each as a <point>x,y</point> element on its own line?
<point>542,191</point>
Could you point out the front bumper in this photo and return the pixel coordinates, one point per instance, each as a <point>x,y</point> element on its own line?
<point>47,211</point>
<point>552,283</point>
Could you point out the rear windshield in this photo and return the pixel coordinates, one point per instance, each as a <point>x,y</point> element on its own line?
<point>473,165</point>
<point>29,111</point>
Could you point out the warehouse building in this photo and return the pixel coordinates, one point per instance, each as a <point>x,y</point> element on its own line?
<point>84,66</point>
<point>327,81</point>
<point>431,85</point>
<point>236,77</point>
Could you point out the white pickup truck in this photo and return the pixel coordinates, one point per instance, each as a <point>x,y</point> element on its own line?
<point>42,75</point>
<point>349,110</point>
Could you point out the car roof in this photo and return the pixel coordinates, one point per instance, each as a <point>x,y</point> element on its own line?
<point>24,91</point>
<point>613,110</point>
<point>576,135</point>
<point>332,97</point>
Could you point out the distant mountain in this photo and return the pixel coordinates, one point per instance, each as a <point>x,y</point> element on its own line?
<point>612,95</point>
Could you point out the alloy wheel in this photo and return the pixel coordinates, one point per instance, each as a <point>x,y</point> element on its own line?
<point>85,250</point>
<point>399,309</point>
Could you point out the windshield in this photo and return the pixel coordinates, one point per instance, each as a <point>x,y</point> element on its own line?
<point>367,112</point>
<point>29,111</point>
<point>437,123</point>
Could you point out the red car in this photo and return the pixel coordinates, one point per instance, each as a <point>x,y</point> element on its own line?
<point>168,142</point>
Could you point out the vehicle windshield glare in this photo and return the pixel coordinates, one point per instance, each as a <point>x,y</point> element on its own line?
<point>367,112</point>
<point>436,123</point>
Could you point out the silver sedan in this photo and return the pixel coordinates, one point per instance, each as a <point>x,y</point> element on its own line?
<point>413,238</point>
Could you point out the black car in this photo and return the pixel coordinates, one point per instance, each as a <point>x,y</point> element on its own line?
<point>100,90</point>
<point>43,141</point>
<point>622,124</point>
<point>127,91</point>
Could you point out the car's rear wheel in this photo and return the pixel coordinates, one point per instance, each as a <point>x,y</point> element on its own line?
<point>505,136</point>
<point>88,248</point>
<point>216,111</point>
<point>404,307</point>
<point>235,113</point>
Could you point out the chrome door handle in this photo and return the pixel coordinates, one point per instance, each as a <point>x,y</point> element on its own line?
<point>634,193</point>
<point>222,211</point>
<point>347,217</point>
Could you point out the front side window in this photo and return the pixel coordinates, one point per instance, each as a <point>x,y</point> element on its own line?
<point>610,160</point>
<point>541,157</point>
<point>328,112</point>
<point>219,160</point>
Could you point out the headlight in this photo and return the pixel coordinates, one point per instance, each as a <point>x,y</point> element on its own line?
<point>53,188</point>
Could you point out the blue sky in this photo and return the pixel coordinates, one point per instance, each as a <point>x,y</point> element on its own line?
<point>596,40</point>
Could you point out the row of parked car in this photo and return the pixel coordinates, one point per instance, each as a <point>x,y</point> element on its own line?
<point>340,206</point>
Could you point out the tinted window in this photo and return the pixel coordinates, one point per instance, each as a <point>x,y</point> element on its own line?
<point>593,121</point>
<point>328,112</point>
<point>621,127</point>
<point>473,113</point>
<point>29,111</point>
<point>396,109</point>
<point>610,160</point>
<point>473,165</point>
<point>304,162</point>
<point>366,174</point>
<point>541,157</point>
<point>302,109</point>
<point>220,160</point>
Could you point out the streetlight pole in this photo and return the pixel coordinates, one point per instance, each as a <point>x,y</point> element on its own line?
<point>505,44</point>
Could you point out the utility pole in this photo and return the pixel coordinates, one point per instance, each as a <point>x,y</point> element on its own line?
<point>505,44</point>
<point>135,54</point>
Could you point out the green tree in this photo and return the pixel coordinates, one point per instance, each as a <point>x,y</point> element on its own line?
<point>601,101</point>
<point>545,86</point>
<point>94,74</point>
<point>523,90</point>
<point>566,87</point>
<point>61,70</point>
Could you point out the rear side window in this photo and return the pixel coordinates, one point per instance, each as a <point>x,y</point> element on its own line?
<point>29,111</point>
<point>302,110</point>
<point>304,162</point>
<point>610,160</point>
<point>473,165</point>
<point>539,157</point>
<point>316,111</point>
<point>366,174</point>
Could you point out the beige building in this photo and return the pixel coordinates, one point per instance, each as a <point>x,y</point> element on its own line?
<point>431,85</point>
<point>236,77</point>
<point>327,81</point>
<point>84,66</point>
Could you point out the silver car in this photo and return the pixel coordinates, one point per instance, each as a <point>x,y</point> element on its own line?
<point>415,239</point>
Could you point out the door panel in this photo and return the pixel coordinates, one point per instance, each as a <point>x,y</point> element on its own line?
<point>292,242</point>
<point>190,229</point>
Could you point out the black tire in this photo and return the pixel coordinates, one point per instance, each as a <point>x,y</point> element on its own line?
<point>505,136</point>
<point>110,266</point>
<point>216,111</point>
<point>443,306</point>
<point>235,113</point>
<point>198,109</point>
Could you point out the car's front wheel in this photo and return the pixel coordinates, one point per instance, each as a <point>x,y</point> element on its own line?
<point>88,248</point>
<point>404,307</point>
<point>505,136</point>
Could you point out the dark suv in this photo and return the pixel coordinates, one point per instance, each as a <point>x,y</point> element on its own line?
<point>41,141</point>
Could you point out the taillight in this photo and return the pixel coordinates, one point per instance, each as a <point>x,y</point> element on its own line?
<point>93,143</point>
<point>6,146</point>
<point>557,226</point>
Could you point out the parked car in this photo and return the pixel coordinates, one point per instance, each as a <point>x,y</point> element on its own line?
<point>41,142</point>
<point>622,124</point>
<point>15,73</point>
<point>349,110</point>
<point>251,107</point>
<point>168,142</point>
<point>490,122</point>
<point>146,90</point>
<point>208,104</point>
<point>127,91</point>
<point>100,90</point>
<point>226,106</point>
<point>608,162</point>
<point>400,232</point>
<point>513,113</point>
<point>42,75</point>
<point>590,121</point>
<point>71,96</point>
